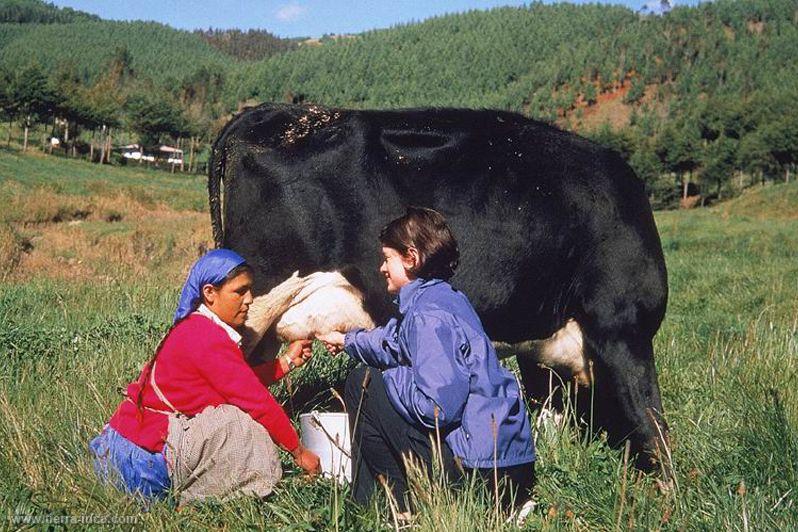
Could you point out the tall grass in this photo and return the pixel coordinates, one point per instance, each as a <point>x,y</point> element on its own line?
<point>727,357</point>
<point>83,221</point>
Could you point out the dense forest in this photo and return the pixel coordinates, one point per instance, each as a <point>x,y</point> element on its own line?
<point>250,45</point>
<point>33,11</point>
<point>699,100</point>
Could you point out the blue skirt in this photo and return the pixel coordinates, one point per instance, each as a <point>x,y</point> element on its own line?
<point>127,466</point>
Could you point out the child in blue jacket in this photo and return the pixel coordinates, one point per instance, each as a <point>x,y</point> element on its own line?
<point>432,369</point>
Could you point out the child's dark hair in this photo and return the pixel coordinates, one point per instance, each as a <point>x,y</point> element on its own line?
<point>427,231</point>
<point>145,374</point>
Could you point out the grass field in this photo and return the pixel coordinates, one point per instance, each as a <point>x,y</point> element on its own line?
<point>91,259</point>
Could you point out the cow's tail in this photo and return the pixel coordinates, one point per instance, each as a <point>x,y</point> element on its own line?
<point>215,173</point>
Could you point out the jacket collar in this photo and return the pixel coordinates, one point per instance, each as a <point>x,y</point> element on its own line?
<point>232,333</point>
<point>410,292</point>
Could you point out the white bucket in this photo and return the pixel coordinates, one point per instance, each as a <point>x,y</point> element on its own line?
<point>327,435</point>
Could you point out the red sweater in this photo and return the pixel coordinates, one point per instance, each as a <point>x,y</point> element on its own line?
<point>199,366</point>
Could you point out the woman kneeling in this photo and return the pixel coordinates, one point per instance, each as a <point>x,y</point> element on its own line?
<point>200,419</point>
<point>432,370</point>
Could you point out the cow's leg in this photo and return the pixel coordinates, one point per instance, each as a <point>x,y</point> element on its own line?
<point>630,406</point>
<point>625,400</point>
<point>541,386</point>
<point>552,365</point>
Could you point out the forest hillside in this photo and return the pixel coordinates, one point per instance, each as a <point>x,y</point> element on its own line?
<point>698,100</point>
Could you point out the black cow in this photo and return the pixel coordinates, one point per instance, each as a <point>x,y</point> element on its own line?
<point>559,251</point>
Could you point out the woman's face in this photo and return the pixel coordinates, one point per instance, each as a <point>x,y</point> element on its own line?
<point>230,301</point>
<point>397,268</point>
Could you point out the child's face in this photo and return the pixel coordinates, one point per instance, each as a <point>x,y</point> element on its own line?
<point>397,269</point>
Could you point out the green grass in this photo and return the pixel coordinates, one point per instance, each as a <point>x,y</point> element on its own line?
<point>727,357</point>
<point>778,202</point>
<point>76,177</point>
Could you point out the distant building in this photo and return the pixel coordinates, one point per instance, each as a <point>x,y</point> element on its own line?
<point>135,152</point>
<point>169,154</point>
<point>173,155</point>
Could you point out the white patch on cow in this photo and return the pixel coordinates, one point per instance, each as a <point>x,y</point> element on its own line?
<point>563,352</point>
<point>327,303</point>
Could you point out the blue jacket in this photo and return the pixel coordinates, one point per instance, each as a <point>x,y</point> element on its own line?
<point>436,359</point>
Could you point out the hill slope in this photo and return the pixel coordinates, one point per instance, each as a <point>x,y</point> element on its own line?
<point>775,202</point>
<point>157,52</point>
<point>701,94</point>
<point>542,58</point>
<point>34,11</point>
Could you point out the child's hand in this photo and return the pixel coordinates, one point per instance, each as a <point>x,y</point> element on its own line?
<point>333,341</point>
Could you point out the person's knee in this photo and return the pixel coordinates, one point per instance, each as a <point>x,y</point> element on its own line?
<point>225,421</point>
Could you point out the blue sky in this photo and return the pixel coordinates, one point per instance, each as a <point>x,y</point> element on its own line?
<point>290,18</point>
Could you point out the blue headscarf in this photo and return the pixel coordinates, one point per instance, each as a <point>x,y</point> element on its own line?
<point>211,268</point>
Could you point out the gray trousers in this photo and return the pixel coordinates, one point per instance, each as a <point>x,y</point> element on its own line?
<point>221,453</point>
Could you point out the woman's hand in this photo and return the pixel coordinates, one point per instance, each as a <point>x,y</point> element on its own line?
<point>297,353</point>
<point>306,460</point>
<point>333,341</point>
